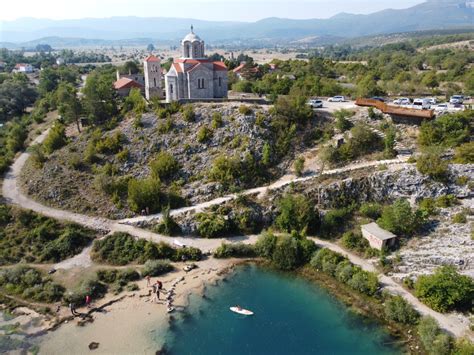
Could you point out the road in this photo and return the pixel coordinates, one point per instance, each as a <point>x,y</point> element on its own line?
<point>13,195</point>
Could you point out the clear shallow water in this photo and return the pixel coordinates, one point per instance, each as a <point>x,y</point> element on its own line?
<point>292,316</point>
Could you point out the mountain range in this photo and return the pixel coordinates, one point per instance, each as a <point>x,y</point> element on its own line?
<point>432,14</point>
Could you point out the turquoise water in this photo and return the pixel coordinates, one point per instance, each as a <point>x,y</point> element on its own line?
<point>292,316</point>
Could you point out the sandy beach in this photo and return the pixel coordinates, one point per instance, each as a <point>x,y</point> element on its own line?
<point>133,325</point>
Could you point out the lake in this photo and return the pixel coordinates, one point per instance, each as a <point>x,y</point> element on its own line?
<point>292,316</point>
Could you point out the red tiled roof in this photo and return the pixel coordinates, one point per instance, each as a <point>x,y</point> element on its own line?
<point>125,83</point>
<point>152,58</point>
<point>177,67</point>
<point>191,61</point>
<point>239,68</point>
<point>220,66</point>
<point>19,65</point>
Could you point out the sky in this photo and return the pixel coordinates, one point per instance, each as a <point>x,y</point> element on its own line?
<point>229,10</point>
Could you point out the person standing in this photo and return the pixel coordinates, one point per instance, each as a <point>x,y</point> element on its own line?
<point>88,301</point>
<point>148,281</point>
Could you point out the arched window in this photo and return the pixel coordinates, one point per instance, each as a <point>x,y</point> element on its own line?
<point>220,81</point>
<point>171,88</point>
<point>154,82</point>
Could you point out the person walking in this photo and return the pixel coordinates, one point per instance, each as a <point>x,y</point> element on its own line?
<point>72,307</point>
<point>148,281</point>
<point>88,301</point>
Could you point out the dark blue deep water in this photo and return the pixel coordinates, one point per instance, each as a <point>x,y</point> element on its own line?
<point>292,316</point>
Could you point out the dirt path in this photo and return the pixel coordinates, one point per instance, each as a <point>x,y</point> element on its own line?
<point>13,195</point>
<point>457,325</point>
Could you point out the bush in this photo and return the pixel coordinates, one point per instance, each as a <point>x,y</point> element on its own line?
<point>299,166</point>
<point>204,134</point>
<point>399,218</point>
<point>245,110</point>
<point>168,226</point>
<point>212,225</point>
<point>165,127</point>
<point>238,250</point>
<point>122,249</point>
<point>145,193</point>
<point>460,218</point>
<point>30,284</point>
<point>56,139</point>
<point>446,201</point>
<point>156,267</point>
<point>110,144</point>
<point>334,220</point>
<point>445,290</point>
<point>266,245</point>
<point>427,207</point>
<point>371,210</point>
<point>464,153</point>
<point>434,341</point>
<point>216,120</point>
<point>430,163</point>
<point>399,310</point>
<point>354,241</point>
<point>342,123</point>
<point>89,287</point>
<point>296,212</point>
<point>446,131</point>
<point>365,282</point>
<point>188,113</point>
<point>164,166</point>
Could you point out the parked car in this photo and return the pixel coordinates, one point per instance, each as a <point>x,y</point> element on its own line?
<point>337,99</point>
<point>456,99</point>
<point>381,99</point>
<point>422,104</point>
<point>441,108</point>
<point>402,101</point>
<point>315,103</point>
<point>432,100</point>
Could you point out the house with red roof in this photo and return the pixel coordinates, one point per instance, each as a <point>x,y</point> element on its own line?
<point>23,68</point>
<point>193,76</point>
<point>124,85</point>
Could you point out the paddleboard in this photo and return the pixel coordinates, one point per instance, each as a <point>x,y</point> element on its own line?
<point>245,312</point>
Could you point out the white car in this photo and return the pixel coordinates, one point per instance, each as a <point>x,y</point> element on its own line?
<point>456,99</point>
<point>402,101</point>
<point>441,108</point>
<point>421,104</point>
<point>432,100</point>
<point>337,99</point>
<point>314,103</point>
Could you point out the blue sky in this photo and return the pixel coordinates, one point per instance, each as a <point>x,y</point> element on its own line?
<point>238,10</point>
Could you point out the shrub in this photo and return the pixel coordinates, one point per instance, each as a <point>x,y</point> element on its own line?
<point>216,120</point>
<point>296,212</point>
<point>212,225</point>
<point>334,220</point>
<point>188,113</point>
<point>30,284</point>
<point>299,166</point>
<point>266,245</point>
<point>342,123</point>
<point>433,340</point>
<point>445,289</point>
<point>238,250</point>
<point>399,218</point>
<point>430,163</point>
<point>110,144</point>
<point>325,257</point>
<point>371,210</point>
<point>351,240</point>
<point>156,267</point>
<point>204,134</point>
<point>89,287</point>
<point>245,110</point>
<point>145,193</point>
<point>447,131</point>
<point>459,218</point>
<point>399,310</point>
<point>365,282</point>
<point>165,127</point>
<point>37,155</point>
<point>427,207</point>
<point>164,166</point>
<point>123,155</point>
<point>446,201</point>
<point>56,139</point>
<point>168,226</point>
<point>464,153</point>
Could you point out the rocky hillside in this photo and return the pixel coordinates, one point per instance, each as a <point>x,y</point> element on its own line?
<point>71,179</point>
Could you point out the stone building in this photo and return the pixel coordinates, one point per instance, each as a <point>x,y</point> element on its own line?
<point>152,71</point>
<point>193,76</point>
<point>377,237</point>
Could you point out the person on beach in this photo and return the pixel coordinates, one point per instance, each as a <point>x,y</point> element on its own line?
<point>159,285</point>
<point>88,301</point>
<point>148,281</point>
<point>72,307</point>
<point>156,293</point>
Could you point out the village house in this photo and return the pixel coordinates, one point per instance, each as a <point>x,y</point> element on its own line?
<point>377,237</point>
<point>23,68</point>
<point>245,72</point>
<point>193,76</point>
<point>124,85</point>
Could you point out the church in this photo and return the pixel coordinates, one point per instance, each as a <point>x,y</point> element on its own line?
<point>193,76</point>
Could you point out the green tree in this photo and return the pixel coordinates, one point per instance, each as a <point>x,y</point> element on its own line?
<point>399,218</point>
<point>464,153</point>
<point>296,213</point>
<point>266,154</point>
<point>69,106</point>
<point>299,166</point>
<point>430,163</point>
<point>56,139</point>
<point>99,97</point>
<point>164,166</point>
<point>144,193</point>
<point>445,290</point>
<point>434,342</point>
<point>399,310</point>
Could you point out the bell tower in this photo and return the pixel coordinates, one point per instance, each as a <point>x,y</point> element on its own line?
<point>152,71</point>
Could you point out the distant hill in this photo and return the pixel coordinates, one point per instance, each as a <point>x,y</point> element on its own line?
<point>433,14</point>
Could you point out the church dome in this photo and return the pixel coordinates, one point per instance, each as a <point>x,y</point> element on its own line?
<point>191,37</point>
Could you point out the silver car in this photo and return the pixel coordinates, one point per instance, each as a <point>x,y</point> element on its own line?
<point>337,99</point>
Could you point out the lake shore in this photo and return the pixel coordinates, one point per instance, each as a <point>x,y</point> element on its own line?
<point>134,322</point>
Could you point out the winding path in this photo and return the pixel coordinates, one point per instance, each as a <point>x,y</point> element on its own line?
<point>13,195</point>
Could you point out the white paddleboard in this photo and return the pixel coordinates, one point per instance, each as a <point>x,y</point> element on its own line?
<point>245,312</point>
